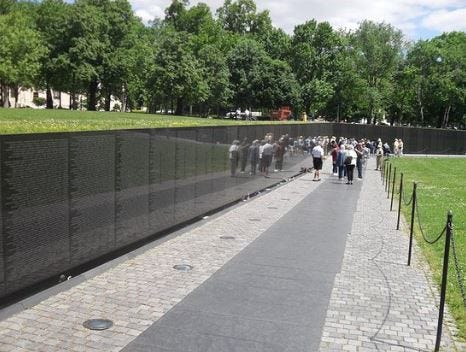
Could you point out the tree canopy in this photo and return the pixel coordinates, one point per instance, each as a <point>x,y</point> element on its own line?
<point>194,61</point>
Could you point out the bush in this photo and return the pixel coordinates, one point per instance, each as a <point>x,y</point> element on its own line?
<point>39,101</point>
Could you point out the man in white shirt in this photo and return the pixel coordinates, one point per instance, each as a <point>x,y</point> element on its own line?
<point>317,154</point>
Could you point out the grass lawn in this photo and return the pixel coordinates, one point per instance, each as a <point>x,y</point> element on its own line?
<point>34,121</point>
<point>441,186</point>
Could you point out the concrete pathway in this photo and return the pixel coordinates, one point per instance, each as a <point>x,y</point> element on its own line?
<point>278,285</point>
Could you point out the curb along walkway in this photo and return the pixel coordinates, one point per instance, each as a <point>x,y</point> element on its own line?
<point>277,286</point>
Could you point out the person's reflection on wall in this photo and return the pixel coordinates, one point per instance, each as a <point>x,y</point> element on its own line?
<point>243,154</point>
<point>233,154</point>
<point>253,156</point>
<point>267,155</point>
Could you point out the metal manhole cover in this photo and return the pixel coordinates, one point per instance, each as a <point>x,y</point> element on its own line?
<point>255,220</point>
<point>183,267</point>
<point>98,324</point>
<point>227,237</point>
<point>272,208</point>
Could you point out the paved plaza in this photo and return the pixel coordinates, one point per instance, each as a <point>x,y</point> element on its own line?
<point>306,266</point>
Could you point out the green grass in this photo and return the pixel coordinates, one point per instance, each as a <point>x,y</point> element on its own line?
<point>441,186</point>
<point>14,121</point>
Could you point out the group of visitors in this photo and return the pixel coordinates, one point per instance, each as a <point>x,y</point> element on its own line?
<point>348,154</point>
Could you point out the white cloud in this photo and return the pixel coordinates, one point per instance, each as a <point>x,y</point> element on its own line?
<point>413,17</point>
<point>446,21</point>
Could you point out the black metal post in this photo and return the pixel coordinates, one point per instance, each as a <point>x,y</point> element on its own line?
<point>411,232</point>
<point>393,189</point>
<point>399,201</point>
<point>389,179</point>
<point>444,281</point>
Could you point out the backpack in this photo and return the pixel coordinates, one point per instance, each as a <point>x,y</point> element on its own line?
<point>348,160</point>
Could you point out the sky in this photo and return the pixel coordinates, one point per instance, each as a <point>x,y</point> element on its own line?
<point>418,19</point>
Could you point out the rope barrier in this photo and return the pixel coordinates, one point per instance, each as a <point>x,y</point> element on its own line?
<point>404,199</point>
<point>459,274</point>
<point>422,230</point>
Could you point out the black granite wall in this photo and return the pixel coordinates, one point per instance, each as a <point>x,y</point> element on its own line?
<point>69,198</point>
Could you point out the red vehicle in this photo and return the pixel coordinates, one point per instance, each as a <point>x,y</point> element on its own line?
<point>282,114</point>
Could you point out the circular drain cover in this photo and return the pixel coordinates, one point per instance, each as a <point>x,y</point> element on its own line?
<point>98,324</point>
<point>254,219</point>
<point>227,237</point>
<point>183,267</point>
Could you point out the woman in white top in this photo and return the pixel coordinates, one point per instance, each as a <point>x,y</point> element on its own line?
<point>317,153</point>
<point>350,162</point>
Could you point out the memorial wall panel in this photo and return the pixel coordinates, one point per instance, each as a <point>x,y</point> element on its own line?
<point>205,171</point>
<point>162,179</point>
<point>185,187</point>
<point>70,198</point>
<point>92,195</point>
<point>35,208</point>
<point>132,186</point>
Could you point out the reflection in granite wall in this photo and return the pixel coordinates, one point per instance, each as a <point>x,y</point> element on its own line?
<point>73,197</point>
<point>35,208</point>
<point>92,195</point>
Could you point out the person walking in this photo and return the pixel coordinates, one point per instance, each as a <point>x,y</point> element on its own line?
<point>334,153</point>
<point>317,154</point>
<point>350,162</point>
<point>400,147</point>
<point>341,162</point>
<point>378,156</point>
<point>359,153</point>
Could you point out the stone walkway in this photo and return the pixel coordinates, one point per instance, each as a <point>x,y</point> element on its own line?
<point>377,302</point>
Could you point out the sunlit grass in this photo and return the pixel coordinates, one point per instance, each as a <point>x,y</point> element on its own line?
<point>441,187</point>
<point>14,121</point>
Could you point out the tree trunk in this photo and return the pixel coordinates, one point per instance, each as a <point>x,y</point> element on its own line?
<point>16,94</point>
<point>446,116</point>
<point>49,98</point>
<point>108,99</point>
<point>179,107</point>
<point>59,100</point>
<point>5,96</point>
<point>92,97</point>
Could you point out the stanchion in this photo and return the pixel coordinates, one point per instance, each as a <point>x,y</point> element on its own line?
<point>399,201</point>
<point>444,281</point>
<point>388,181</point>
<point>411,232</point>
<point>393,189</point>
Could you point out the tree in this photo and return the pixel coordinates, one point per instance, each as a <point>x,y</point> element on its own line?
<point>217,78</point>
<point>21,53</point>
<point>176,78</point>
<point>52,22</point>
<point>377,53</point>
<point>316,47</point>
<point>240,17</point>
